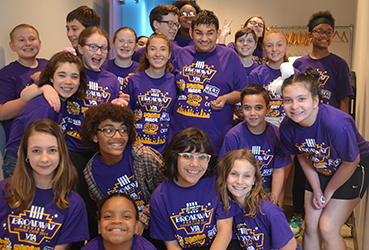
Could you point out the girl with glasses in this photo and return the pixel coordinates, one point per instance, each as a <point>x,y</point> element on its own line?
<point>186,212</point>
<point>188,9</point>
<point>121,164</point>
<point>152,92</point>
<point>255,23</point>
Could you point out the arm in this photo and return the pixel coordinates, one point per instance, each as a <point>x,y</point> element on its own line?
<point>11,109</point>
<point>344,104</point>
<point>343,173</point>
<point>50,94</point>
<point>312,177</point>
<point>277,183</point>
<point>224,234</point>
<point>226,31</point>
<point>291,245</point>
<point>230,98</point>
<point>61,247</point>
<point>172,245</point>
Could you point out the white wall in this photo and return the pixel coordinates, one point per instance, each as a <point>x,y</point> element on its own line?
<point>361,65</point>
<point>48,17</point>
<point>279,12</point>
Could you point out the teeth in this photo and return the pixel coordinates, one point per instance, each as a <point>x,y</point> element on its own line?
<point>193,172</point>
<point>116,144</point>
<point>117,230</point>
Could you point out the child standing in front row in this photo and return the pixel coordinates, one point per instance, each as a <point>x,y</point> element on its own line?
<point>117,219</point>
<point>40,193</point>
<point>124,43</point>
<point>260,137</point>
<point>259,224</point>
<point>25,41</point>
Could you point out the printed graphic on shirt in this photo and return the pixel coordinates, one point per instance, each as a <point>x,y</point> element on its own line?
<point>275,102</point>
<point>129,186</point>
<point>198,90</point>
<point>249,238</point>
<point>320,156</point>
<point>33,226</point>
<point>326,94</point>
<point>152,117</point>
<point>73,120</point>
<point>264,160</point>
<point>96,94</point>
<point>191,223</point>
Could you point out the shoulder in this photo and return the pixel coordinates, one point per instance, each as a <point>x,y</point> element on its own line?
<point>94,244</point>
<point>75,200</point>
<point>140,243</point>
<point>42,62</point>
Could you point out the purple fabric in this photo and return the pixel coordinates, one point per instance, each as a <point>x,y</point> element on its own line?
<point>264,76</point>
<point>35,109</point>
<point>14,77</point>
<point>266,147</point>
<point>201,78</point>
<point>334,77</point>
<point>269,230</point>
<point>332,138</point>
<point>120,72</point>
<point>139,243</point>
<point>42,225</point>
<point>181,42</point>
<point>187,215</point>
<point>175,50</point>
<point>103,86</point>
<point>118,178</point>
<point>152,101</point>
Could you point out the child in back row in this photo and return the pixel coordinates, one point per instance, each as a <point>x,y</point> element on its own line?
<point>25,41</point>
<point>259,224</point>
<point>259,137</point>
<point>276,46</point>
<point>124,43</point>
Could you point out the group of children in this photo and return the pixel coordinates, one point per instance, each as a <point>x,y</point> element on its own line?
<point>154,144</point>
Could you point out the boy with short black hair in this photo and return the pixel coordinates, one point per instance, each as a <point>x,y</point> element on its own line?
<point>209,79</point>
<point>78,20</point>
<point>14,77</point>
<point>260,137</point>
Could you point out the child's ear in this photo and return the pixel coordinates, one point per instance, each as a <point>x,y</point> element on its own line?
<point>98,227</point>
<point>156,25</point>
<point>11,45</point>
<point>51,80</point>
<point>94,139</point>
<point>190,32</point>
<point>80,49</point>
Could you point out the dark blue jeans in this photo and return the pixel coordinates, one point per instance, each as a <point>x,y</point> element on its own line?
<point>9,163</point>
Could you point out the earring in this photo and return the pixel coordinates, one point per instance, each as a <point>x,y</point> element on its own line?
<point>26,160</point>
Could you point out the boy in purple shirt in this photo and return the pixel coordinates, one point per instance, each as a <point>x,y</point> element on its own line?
<point>209,80</point>
<point>259,137</point>
<point>25,41</point>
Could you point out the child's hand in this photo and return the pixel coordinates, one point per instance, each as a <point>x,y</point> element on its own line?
<point>226,31</point>
<point>218,104</point>
<point>319,202</point>
<point>51,96</point>
<point>120,102</point>
<point>125,83</point>
<point>36,76</point>
<point>124,96</point>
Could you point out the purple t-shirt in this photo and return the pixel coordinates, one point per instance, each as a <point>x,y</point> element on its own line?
<point>175,50</point>
<point>332,138</point>
<point>334,81</point>
<point>181,42</point>
<point>258,55</point>
<point>266,147</point>
<point>118,178</point>
<point>35,109</point>
<point>201,78</point>
<point>269,230</point>
<point>139,243</point>
<point>42,225</point>
<point>264,76</point>
<point>187,215</point>
<point>14,77</point>
<point>120,72</point>
<point>152,102</point>
<point>102,86</point>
